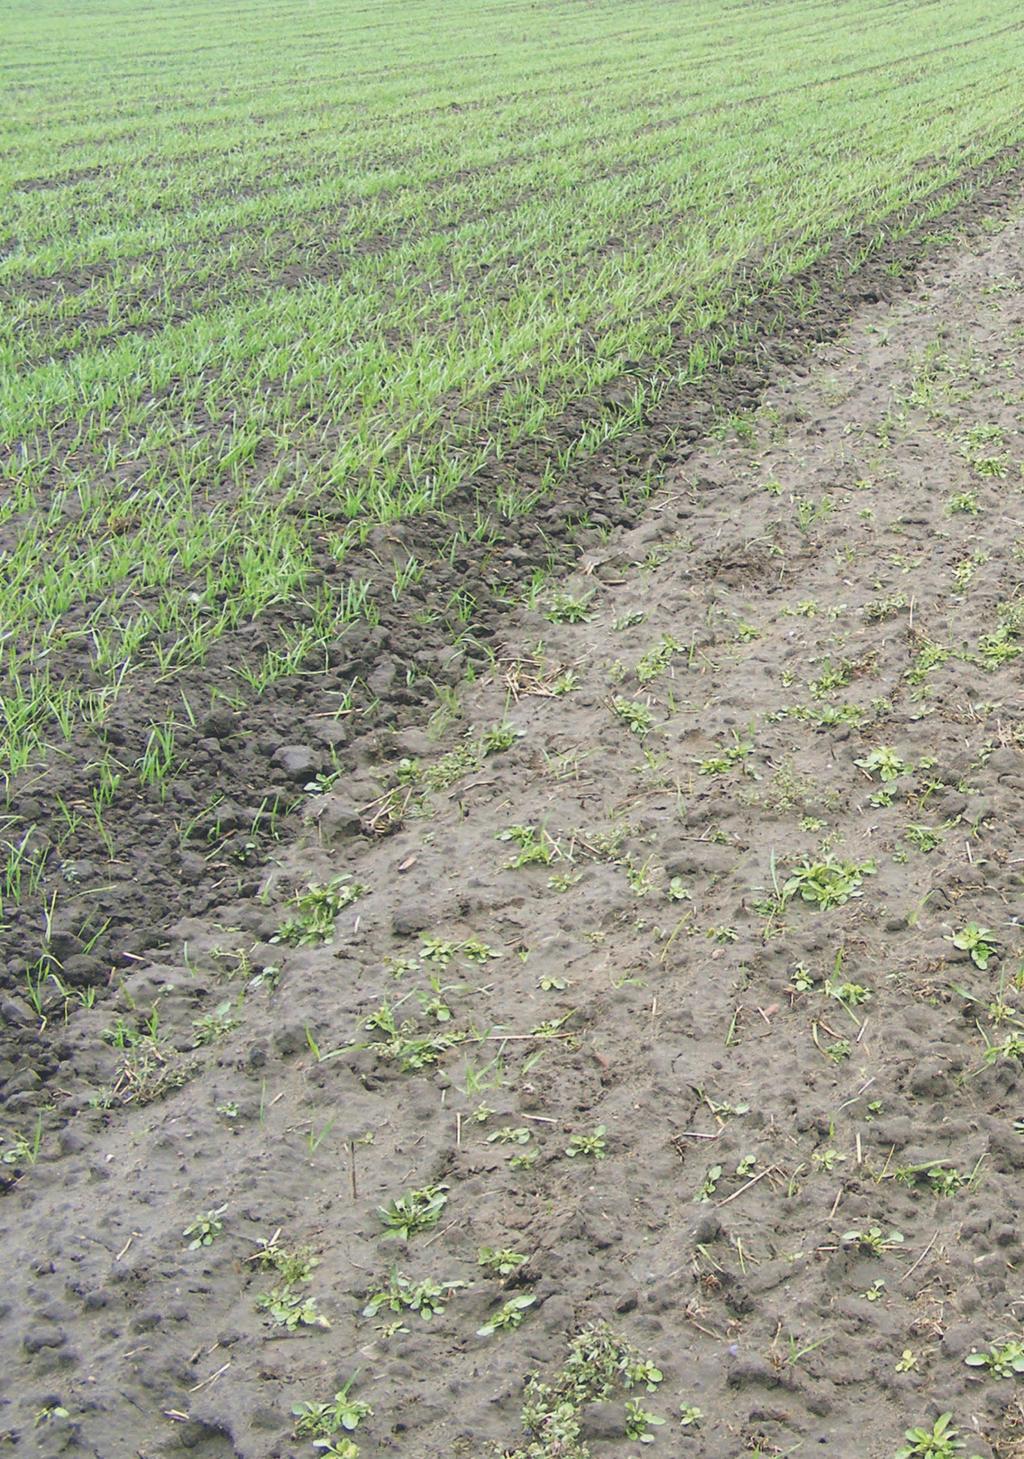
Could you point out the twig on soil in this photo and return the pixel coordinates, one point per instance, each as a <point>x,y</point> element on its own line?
<point>127,1244</point>
<point>352,1168</point>
<point>854,1097</point>
<point>920,1259</point>
<point>213,1377</point>
<point>438,1234</point>
<point>835,1203</point>
<point>508,1038</point>
<point>707,1331</point>
<point>753,1181</point>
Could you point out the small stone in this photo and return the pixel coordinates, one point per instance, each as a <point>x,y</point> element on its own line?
<point>43,1335</point>
<point>14,1012</point>
<point>298,762</point>
<point>23,1082</point>
<point>747,1371</point>
<point>71,1141</point>
<point>930,1081</point>
<point>411,918</point>
<point>264,1417</point>
<point>1006,1150</point>
<point>960,1338</point>
<point>84,971</point>
<point>148,1320</point>
<point>63,945</point>
<point>601,1421</point>
<point>219,724</point>
<point>383,676</point>
<point>330,732</point>
<point>338,820</point>
<point>290,1039</point>
<point>707,1229</point>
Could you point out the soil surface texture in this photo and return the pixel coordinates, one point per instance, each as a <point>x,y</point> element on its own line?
<point>102,896</point>
<point>682,961</point>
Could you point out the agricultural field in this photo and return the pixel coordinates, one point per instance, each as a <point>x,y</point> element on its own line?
<point>512,540</point>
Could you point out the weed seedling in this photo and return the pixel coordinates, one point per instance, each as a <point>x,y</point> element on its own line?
<point>402,1042</point>
<point>292,1264</point>
<point>977,941</point>
<point>593,1146</point>
<point>567,609</point>
<point>205,1229</point>
<point>723,935</point>
<point>564,881</point>
<point>525,1160</point>
<point>510,1135</point>
<point>628,620</point>
<point>826,883</point>
<point>212,1027</point>
<point>709,1185</point>
<point>639,1422</point>
<point>872,1242</point>
<point>428,1297</point>
<point>322,1420</point>
<point>923,838</point>
<point>509,1316</point>
<point>1003,1360</point>
<point>727,758</point>
<point>318,908</point>
<point>534,849</point>
<point>657,659</point>
<point>941,1441</point>
<point>413,1212</point>
<point>947,1180</point>
<point>599,1365</point>
<point>690,1416</point>
<point>883,608</point>
<point>638,717</point>
<point>885,763</point>
<point>22,1150</point>
<point>501,1261</point>
<point>291,1309</point>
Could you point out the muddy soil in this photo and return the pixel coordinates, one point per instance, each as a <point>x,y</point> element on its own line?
<point>685,964</point>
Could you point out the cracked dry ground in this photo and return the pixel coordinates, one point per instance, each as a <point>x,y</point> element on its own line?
<point>773,767</point>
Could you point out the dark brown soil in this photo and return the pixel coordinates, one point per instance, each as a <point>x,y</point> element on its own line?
<point>826,578</point>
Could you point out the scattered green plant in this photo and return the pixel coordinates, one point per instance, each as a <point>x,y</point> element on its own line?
<point>205,1229</point>
<point>416,1211</point>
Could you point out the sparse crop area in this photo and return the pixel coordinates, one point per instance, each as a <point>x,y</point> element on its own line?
<point>511,612</point>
